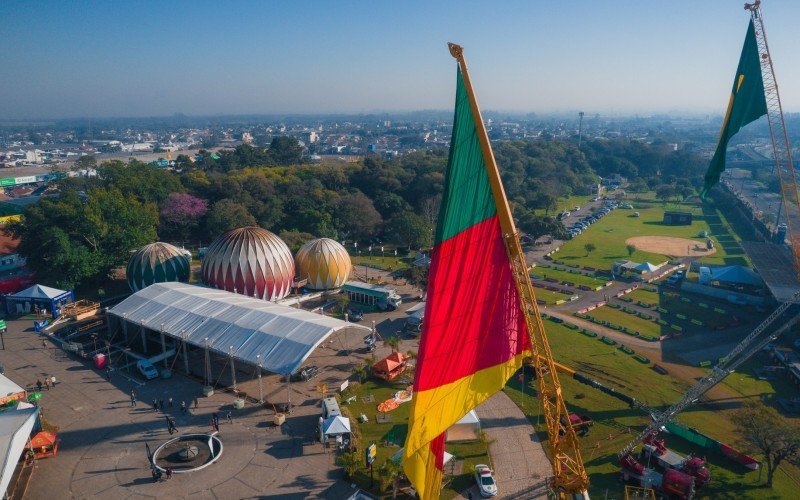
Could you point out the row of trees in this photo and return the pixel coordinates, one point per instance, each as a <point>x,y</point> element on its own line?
<point>97,220</point>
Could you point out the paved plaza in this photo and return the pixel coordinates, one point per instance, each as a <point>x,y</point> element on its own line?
<point>102,452</point>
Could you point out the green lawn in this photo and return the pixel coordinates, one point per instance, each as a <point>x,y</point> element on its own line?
<point>550,297</point>
<point>387,263</point>
<point>542,271</point>
<point>395,432</point>
<point>613,418</point>
<point>567,203</point>
<point>618,317</point>
<point>609,235</point>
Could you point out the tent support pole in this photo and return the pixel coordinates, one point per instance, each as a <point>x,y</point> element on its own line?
<point>144,339</point>
<point>260,387</point>
<point>164,349</point>
<point>185,357</point>
<point>233,371</point>
<point>125,330</point>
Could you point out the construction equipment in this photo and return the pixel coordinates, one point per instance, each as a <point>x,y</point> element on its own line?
<point>751,344</point>
<point>569,474</point>
<point>781,148</point>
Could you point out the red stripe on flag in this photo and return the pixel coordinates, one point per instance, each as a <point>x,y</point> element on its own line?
<point>437,449</point>
<point>472,317</point>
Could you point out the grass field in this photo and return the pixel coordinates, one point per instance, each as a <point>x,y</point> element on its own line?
<point>543,272</point>
<point>550,297</point>
<point>395,432</point>
<point>614,418</point>
<point>609,235</point>
<point>617,317</point>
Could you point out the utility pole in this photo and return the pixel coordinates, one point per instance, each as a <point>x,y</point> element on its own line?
<point>580,128</point>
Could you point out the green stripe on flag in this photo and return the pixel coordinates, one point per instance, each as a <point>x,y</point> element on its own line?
<point>467,198</point>
<point>747,103</point>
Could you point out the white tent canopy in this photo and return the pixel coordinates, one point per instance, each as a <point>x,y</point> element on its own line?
<point>16,425</point>
<point>470,418</point>
<point>276,337</point>
<point>40,292</point>
<point>334,426</point>
<point>8,387</point>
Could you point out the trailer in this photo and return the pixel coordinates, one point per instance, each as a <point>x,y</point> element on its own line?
<point>382,297</point>
<point>654,449</point>
<point>672,483</point>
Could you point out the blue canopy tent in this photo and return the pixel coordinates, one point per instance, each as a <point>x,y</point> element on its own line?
<point>42,296</point>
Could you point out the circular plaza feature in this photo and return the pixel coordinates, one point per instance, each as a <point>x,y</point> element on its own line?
<point>668,245</point>
<point>187,453</point>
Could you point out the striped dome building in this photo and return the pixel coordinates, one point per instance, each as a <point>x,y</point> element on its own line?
<point>251,261</point>
<point>324,262</point>
<point>156,263</point>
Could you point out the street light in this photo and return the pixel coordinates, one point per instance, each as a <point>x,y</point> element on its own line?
<point>366,268</point>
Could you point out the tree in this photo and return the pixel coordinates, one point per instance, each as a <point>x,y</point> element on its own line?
<point>181,214</point>
<point>630,248</point>
<point>664,192</point>
<point>537,226</point>
<point>76,239</point>
<point>285,151</point>
<point>589,247</point>
<point>763,428</point>
<point>351,462</point>
<point>388,473</point>
<point>226,215</point>
<point>392,343</point>
<point>85,163</point>
<point>411,230</point>
<point>342,301</point>
<point>356,217</point>
<point>361,371</point>
<point>294,239</point>
<point>418,276</point>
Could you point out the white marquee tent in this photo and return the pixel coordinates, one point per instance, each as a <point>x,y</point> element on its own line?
<point>276,337</point>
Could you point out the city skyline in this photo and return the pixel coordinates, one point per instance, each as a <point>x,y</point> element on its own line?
<point>147,59</point>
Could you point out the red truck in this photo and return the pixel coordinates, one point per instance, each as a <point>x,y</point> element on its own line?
<point>672,483</point>
<point>654,449</point>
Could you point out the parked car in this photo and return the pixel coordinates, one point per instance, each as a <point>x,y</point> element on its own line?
<point>486,484</point>
<point>147,369</point>
<point>355,314</point>
<point>305,374</point>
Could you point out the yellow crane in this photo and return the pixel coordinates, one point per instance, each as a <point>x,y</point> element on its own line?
<point>569,474</point>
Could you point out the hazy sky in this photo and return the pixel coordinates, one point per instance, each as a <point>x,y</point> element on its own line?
<point>148,58</point>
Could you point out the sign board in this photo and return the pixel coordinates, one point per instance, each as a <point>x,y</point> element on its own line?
<point>8,181</point>
<point>344,385</point>
<point>371,452</point>
<point>25,180</point>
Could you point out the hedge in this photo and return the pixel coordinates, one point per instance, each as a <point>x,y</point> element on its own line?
<point>556,320</point>
<point>641,359</point>
<point>588,333</point>
<point>646,305</point>
<point>608,341</point>
<point>703,305</point>
<point>644,316</point>
<point>661,322</point>
<point>661,310</point>
<point>626,299</point>
<point>686,299</point>
<point>720,310</point>
<point>614,306</point>
<point>705,364</point>
<point>571,326</point>
<point>626,349</point>
<point>649,338</point>
<point>698,322</point>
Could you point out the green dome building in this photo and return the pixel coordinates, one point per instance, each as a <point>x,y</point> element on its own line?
<point>157,263</point>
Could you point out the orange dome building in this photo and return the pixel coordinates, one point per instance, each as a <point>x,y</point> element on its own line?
<point>324,262</point>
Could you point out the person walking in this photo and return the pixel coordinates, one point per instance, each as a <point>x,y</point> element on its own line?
<point>44,343</point>
<point>169,424</point>
<point>195,403</point>
<point>133,399</point>
<point>53,381</point>
<point>39,385</point>
<point>169,402</point>
<point>155,405</point>
<point>229,417</point>
<point>183,407</point>
<point>108,373</point>
<point>161,404</point>
<point>169,472</point>
<point>47,383</point>
<point>215,421</point>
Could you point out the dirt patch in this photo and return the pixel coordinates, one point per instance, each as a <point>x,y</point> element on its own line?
<point>667,245</point>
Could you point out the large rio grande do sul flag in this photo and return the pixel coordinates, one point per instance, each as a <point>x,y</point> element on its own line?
<point>747,103</point>
<point>474,335</point>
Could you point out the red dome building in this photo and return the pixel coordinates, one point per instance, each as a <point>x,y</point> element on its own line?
<point>251,261</point>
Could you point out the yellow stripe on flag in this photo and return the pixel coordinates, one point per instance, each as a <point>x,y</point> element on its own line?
<point>443,406</point>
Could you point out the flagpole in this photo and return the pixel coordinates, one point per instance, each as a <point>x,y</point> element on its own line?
<point>498,192</point>
<point>569,472</point>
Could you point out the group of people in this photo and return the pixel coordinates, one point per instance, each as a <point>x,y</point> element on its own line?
<point>48,381</point>
<point>157,474</point>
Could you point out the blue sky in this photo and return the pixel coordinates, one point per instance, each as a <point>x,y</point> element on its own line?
<point>148,58</point>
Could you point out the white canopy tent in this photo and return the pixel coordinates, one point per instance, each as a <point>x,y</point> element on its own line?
<point>276,337</point>
<point>334,426</point>
<point>16,425</point>
<point>466,429</point>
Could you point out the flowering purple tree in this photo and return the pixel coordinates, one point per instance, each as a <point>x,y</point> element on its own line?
<point>181,214</point>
